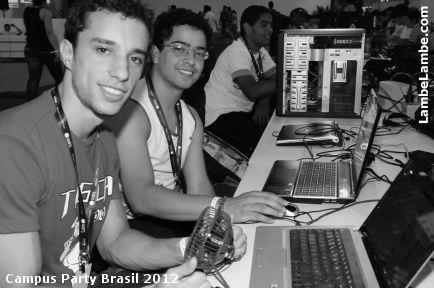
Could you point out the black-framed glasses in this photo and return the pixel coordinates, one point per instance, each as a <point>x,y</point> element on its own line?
<point>184,49</point>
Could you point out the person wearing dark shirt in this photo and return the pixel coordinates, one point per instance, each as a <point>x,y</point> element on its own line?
<point>42,46</point>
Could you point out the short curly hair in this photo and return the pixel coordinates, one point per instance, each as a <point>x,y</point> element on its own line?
<point>80,10</point>
<point>163,26</point>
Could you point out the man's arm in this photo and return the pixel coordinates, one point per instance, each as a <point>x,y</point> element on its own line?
<point>255,90</point>
<point>132,128</point>
<point>184,276</point>
<point>134,250</point>
<point>21,256</point>
<point>131,249</point>
<point>194,169</point>
<point>21,181</point>
<point>262,112</point>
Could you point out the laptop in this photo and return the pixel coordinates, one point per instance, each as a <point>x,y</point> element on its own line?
<point>325,132</point>
<point>389,250</point>
<point>339,181</point>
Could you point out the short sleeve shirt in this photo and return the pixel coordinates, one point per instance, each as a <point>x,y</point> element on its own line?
<point>38,184</point>
<point>222,94</point>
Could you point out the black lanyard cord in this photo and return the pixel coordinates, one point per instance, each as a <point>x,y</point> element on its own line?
<point>175,154</point>
<point>258,66</point>
<point>84,225</point>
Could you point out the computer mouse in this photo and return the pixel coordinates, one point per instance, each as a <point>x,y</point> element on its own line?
<point>292,210</point>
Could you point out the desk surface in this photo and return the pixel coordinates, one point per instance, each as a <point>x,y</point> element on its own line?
<point>266,152</point>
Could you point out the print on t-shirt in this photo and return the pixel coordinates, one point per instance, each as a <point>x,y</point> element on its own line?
<point>70,255</point>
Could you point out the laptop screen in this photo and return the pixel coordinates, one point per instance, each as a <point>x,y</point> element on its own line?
<point>366,135</point>
<point>399,233</point>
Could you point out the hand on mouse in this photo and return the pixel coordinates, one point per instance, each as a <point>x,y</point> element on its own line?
<point>292,210</point>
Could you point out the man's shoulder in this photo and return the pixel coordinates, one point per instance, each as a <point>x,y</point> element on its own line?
<point>132,119</point>
<point>236,45</point>
<point>21,120</point>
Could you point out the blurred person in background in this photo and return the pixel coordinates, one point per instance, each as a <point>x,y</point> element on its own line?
<point>8,31</point>
<point>242,84</point>
<point>210,17</point>
<point>42,46</point>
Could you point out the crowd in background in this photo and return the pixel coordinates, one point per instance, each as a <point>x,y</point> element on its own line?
<point>392,32</point>
<point>103,57</point>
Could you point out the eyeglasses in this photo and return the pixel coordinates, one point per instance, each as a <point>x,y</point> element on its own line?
<point>183,49</point>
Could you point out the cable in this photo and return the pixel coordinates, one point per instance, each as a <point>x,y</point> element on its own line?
<point>396,102</point>
<point>405,96</point>
<point>390,129</point>
<point>385,157</point>
<point>333,210</point>
<point>219,276</point>
<point>315,132</point>
<point>375,177</point>
<point>350,132</point>
<point>308,149</point>
<point>406,154</point>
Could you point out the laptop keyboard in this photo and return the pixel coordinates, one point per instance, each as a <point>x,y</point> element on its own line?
<point>316,179</point>
<point>318,259</point>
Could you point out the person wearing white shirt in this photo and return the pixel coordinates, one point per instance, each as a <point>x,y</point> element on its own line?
<point>210,17</point>
<point>242,84</point>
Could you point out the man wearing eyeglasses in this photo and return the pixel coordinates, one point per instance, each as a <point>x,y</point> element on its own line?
<point>160,138</point>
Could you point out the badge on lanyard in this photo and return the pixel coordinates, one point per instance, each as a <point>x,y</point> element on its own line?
<point>82,278</point>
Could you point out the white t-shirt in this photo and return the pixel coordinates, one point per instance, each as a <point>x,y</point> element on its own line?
<point>210,17</point>
<point>222,94</point>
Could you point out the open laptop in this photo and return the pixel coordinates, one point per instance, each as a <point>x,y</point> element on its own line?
<point>389,250</point>
<point>339,181</point>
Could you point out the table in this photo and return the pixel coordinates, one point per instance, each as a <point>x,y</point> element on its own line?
<point>237,275</point>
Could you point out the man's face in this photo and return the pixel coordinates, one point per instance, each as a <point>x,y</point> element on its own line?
<point>7,27</point>
<point>179,70</point>
<point>400,20</point>
<point>108,61</point>
<point>261,30</point>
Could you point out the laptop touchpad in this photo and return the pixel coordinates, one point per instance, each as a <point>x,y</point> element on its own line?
<point>281,179</point>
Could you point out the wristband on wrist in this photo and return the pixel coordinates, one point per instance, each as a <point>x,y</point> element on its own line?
<point>183,245</point>
<point>214,202</point>
<point>218,202</point>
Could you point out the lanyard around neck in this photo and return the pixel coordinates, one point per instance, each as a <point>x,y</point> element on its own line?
<point>174,154</point>
<point>258,66</point>
<point>85,225</point>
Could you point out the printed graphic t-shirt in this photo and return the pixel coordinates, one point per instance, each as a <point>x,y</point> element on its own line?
<point>38,185</point>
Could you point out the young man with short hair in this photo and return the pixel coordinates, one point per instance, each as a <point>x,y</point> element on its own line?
<point>160,137</point>
<point>59,166</point>
<point>242,83</point>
